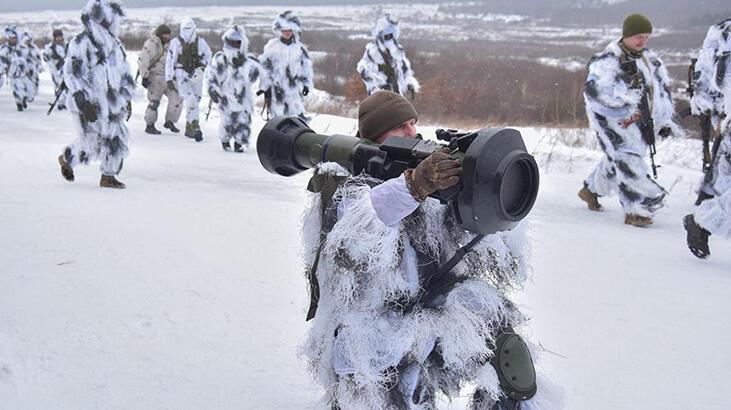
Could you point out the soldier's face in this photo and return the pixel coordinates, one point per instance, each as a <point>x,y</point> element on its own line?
<point>13,41</point>
<point>637,42</point>
<point>166,37</point>
<point>406,129</point>
<point>287,34</point>
<point>58,40</point>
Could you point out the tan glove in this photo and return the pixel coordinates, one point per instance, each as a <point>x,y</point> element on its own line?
<point>438,171</point>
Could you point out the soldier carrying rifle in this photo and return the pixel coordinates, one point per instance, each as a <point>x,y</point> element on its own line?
<point>711,101</point>
<point>628,104</point>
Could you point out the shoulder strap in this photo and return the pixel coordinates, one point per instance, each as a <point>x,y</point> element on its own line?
<point>326,185</point>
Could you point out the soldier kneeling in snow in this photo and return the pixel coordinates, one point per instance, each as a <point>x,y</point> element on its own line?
<point>385,335</point>
<point>231,76</point>
<point>100,93</point>
<point>713,97</point>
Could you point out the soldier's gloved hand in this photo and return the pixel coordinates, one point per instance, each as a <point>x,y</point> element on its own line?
<point>171,85</point>
<point>238,61</point>
<point>665,132</point>
<point>129,110</point>
<point>305,91</point>
<point>412,92</point>
<point>438,171</point>
<point>214,96</point>
<point>145,82</point>
<point>87,109</point>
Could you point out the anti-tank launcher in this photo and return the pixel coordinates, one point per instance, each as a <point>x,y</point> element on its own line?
<point>497,189</point>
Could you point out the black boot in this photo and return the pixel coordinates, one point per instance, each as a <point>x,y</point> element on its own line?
<point>171,126</point>
<point>238,147</point>
<point>697,237</point>
<point>226,146</point>
<point>20,106</point>
<point>150,129</point>
<point>197,133</point>
<point>25,103</point>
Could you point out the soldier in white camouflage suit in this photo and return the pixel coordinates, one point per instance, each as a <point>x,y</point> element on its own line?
<point>231,76</point>
<point>288,68</point>
<point>622,79</point>
<point>713,97</point>
<point>54,54</point>
<point>384,65</point>
<point>100,94</point>
<point>35,64</point>
<point>185,64</point>
<point>14,66</point>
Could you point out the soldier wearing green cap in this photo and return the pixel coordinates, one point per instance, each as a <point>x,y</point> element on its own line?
<point>628,104</point>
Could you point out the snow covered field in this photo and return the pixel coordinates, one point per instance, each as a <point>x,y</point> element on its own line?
<point>186,290</point>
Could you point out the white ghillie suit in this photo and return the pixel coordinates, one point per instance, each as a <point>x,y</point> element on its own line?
<point>97,74</point>
<point>384,65</point>
<point>55,55</point>
<point>707,79</point>
<point>231,76</point>
<point>185,63</point>
<point>14,66</point>
<point>379,339</point>
<point>611,97</point>
<point>714,214</point>
<point>288,68</point>
<point>35,63</point>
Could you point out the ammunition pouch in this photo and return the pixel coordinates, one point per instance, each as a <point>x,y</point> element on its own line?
<point>514,366</point>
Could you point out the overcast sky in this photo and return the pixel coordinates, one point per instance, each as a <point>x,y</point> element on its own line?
<point>28,5</point>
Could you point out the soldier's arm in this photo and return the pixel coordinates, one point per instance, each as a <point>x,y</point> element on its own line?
<point>204,50</point>
<point>307,69</point>
<point>143,61</point>
<point>171,59</point>
<point>606,93</point>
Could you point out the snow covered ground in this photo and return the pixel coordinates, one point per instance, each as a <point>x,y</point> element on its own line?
<point>186,290</point>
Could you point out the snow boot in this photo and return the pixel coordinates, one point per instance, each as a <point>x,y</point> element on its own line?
<point>66,171</point>
<point>20,106</point>
<point>591,199</point>
<point>697,237</point>
<point>109,181</point>
<point>238,147</point>
<point>25,103</point>
<point>171,126</point>
<point>197,133</point>
<point>226,146</point>
<point>637,220</point>
<point>150,129</point>
<point>189,130</point>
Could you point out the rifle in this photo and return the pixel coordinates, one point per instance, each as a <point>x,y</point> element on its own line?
<point>61,89</point>
<point>645,123</point>
<point>210,107</point>
<point>267,103</point>
<point>137,75</point>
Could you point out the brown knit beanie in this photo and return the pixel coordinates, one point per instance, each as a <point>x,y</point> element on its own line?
<point>381,111</point>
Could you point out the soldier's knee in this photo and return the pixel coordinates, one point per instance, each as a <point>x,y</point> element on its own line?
<point>153,105</point>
